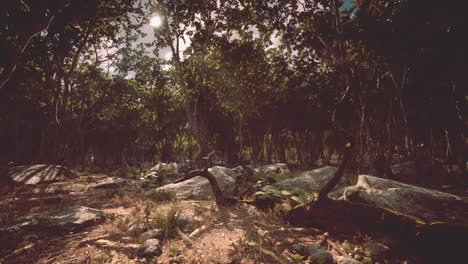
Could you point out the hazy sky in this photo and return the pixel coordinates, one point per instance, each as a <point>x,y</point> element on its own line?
<point>167,54</point>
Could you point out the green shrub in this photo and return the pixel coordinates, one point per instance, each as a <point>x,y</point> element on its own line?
<point>167,222</point>
<point>271,194</point>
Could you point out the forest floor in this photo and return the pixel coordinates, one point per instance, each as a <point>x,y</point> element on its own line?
<point>236,234</point>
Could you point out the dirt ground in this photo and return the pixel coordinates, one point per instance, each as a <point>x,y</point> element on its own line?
<point>236,234</point>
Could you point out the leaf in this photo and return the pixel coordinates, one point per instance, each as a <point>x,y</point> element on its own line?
<point>301,199</point>
<point>270,188</point>
<point>260,193</point>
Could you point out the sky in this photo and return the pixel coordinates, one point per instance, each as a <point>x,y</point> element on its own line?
<point>166,53</point>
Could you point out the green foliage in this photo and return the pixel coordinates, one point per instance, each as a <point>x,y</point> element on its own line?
<point>249,79</point>
<point>175,255</point>
<point>271,194</point>
<point>297,258</point>
<point>101,258</point>
<point>265,177</point>
<point>167,222</point>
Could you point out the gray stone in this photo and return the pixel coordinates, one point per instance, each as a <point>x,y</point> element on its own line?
<point>113,182</point>
<point>312,181</point>
<point>166,167</point>
<point>150,234</point>
<point>136,230</point>
<point>346,260</point>
<point>127,239</point>
<point>313,252</point>
<point>68,219</point>
<point>379,251</point>
<point>186,223</point>
<point>299,249</point>
<point>407,170</point>
<point>199,188</point>
<point>151,248</point>
<point>319,255</point>
<point>34,174</point>
<point>423,203</point>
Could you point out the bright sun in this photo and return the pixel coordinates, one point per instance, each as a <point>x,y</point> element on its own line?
<point>156,21</point>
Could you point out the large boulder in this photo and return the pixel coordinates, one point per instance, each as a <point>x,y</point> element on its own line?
<point>64,220</point>
<point>426,204</point>
<point>198,188</point>
<point>67,219</point>
<point>312,181</point>
<point>34,174</point>
<point>424,172</point>
<point>405,172</point>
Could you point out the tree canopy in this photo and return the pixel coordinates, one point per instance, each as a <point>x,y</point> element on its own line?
<point>83,82</point>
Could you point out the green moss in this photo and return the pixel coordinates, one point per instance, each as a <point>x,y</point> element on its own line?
<point>101,258</point>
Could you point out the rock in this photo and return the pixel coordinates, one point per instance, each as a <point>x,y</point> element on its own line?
<point>346,260</point>
<point>314,252</point>
<point>112,182</point>
<point>337,193</point>
<point>136,230</point>
<point>312,181</point>
<point>34,174</point>
<point>65,220</point>
<point>406,172</point>
<point>185,223</point>
<point>151,176</point>
<point>150,234</point>
<point>68,219</point>
<point>159,167</point>
<point>379,251</point>
<point>299,249</point>
<point>151,248</point>
<point>277,168</point>
<point>127,239</point>
<point>162,167</point>
<point>319,255</point>
<point>429,173</point>
<point>198,188</point>
<point>426,204</point>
